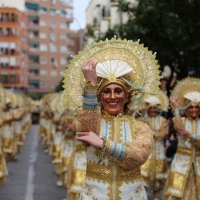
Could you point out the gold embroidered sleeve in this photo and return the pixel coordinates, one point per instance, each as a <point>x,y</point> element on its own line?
<point>88,120</point>
<point>131,154</point>
<point>162,133</point>
<point>137,152</point>
<point>178,122</point>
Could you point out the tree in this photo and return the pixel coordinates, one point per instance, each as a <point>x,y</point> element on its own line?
<point>169,27</point>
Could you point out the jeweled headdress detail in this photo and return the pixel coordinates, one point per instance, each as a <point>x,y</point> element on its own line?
<point>160,100</point>
<point>186,91</point>
<point>119,61</point>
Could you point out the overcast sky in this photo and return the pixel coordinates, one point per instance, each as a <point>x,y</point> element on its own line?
<point>79,14</point>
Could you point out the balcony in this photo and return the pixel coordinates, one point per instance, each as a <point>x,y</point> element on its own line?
<point>32,12</point>
<point>106,14</point>
<point>34,84</point>
<point>34,71</point>
<point>34,59</point>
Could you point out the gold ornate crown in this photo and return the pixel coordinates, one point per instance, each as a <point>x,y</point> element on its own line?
<point>186,91</point>
<point>128,61</point>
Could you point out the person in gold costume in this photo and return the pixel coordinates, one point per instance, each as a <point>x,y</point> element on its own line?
<point>3,168</point>
<point>154,170</point>
<point>116,145</point>
<point>8,142</point>
<point>183,181</point>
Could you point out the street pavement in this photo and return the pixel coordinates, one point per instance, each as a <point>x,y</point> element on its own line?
<point>33,176</point>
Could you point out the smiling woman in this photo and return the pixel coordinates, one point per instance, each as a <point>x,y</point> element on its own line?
<point>116,145</point>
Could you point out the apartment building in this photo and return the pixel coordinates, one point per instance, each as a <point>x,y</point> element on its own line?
<point>50,42</point>
<point>102,15</point>
<point>14,58</point>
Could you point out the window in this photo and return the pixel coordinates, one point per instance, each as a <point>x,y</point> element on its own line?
<point>43,85</point>
<point>52,24</point>
<point>63,13</point>
<point>52,37</point>
<point>43,10</point>
<point>63,37</point>
<point>67,2</point>
<point>63,61</point>
<point>53,48</point>
<point>43,23</point>
<point>63,26</point>
<point>43,47</point>
<point>43,60</point>
<point>53,85</point>
<point>54,62</point>
<point>43,35</point>
<point>63,49</point>
<point>52,11</point>
<point>53,1</point>
<point>43,72</point>
<point>53,73</point>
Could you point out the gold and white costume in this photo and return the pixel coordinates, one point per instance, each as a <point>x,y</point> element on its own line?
<point>183,181</point>
<point>112,172</point>
<point>154,170</point>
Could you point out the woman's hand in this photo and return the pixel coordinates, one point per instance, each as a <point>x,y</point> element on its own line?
<point>183,132</point>
<point>174,101</point>
<point>89,71</point>
<point>90,138</point>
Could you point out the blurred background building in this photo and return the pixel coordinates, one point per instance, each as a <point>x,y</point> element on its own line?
<point>13,47</point>
<point>50,42</point>
<point>102,15</point>
<point>35,43</point>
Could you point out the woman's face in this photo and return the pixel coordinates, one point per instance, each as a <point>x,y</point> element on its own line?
<point>152,111</point>
<point>113,98</point>
<point>193,110</point>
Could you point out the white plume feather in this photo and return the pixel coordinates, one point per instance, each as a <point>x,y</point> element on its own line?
<point>152,100</point>
<point>116,67</point>
<point>193,96</point>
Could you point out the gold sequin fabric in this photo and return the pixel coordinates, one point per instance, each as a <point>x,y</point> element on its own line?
<point>112,173</point>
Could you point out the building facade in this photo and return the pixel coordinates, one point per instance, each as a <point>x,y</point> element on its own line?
<point>102,15</point>
<point>50,42</point>
<point>14,58</point>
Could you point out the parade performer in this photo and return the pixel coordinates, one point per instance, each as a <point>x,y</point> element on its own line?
<point>154,170</point>
<point>183,181</point>
<point>17,122</point>
<point>116,144</point>
<point>8,140</point>
<point>3,168</point>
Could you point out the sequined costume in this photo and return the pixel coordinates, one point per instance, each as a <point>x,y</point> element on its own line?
<point>112,172</point>
<point>154,170</point>
<point>183,181</point>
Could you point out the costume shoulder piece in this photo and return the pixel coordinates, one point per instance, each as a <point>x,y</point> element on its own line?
<point>186,90</point>
<point>140,69</point>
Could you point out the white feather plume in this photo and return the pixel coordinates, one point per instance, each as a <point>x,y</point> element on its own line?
<point>152,100</point>
<point>116,67</point>
<point>193,96</point>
